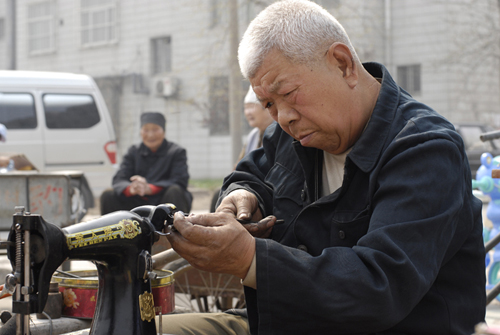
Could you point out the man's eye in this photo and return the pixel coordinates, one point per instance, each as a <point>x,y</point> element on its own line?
<point>269,105</point>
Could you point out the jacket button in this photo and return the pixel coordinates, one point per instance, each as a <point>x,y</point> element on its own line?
<point>302,247</point>
<point>341,234</point>
<point>303,195</point>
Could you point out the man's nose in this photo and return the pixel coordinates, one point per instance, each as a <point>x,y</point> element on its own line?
<point>286,114</point>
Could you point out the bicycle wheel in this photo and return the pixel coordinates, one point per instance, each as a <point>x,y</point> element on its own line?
<point>203,291</point>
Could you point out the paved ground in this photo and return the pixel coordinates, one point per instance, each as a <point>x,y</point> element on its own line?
<point>493,314</point>
<point>201,203</point>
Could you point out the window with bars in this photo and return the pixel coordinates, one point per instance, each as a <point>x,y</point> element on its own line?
<point>328,3</point>
<point>409,78</point>
<point>215,12</point>
<point>161,53</point>
<point>2,28</point>
<point>41,27</point>
<point>98,22</point>
<point>219,105</point>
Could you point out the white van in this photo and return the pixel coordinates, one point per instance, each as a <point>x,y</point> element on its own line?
<point>59,121</point>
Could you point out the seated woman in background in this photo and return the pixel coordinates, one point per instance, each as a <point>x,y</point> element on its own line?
<point>151,173</point>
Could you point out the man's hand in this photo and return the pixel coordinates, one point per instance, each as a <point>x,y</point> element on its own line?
<point>245,206</point>
<point>213,242</point>
<point>260,228</point>
<point>139,186</point>
<point>242,204</point>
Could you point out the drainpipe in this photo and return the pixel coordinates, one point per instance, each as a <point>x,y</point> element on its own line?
<point>11,34</point>
<point>235,78</point>
<point>388,35</point>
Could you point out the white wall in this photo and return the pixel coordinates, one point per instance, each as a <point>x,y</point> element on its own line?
<point>198,53</point>
<point>423,32</point>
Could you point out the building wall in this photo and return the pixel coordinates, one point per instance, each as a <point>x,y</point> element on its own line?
<point>3,35</point>
<point>198,53</point>
<point>394,32</point>
<point>430,33</point>
<point>419,37</point>
<point>5,53</point>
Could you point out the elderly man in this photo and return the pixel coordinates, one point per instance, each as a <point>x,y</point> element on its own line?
<point>258,118</point>
<point>151,173</point>
<point>381,232</point>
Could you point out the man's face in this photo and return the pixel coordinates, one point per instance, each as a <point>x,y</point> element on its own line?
<point>313,104</point>
<point>257,116</point>
<point>152,136</point>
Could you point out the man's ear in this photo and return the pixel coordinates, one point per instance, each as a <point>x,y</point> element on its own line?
<point>339,55</point>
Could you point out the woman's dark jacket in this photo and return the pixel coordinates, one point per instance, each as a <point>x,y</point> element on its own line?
<point>165,167</point>
<point>398,249</point>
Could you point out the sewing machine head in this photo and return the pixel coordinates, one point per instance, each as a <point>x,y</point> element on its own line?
<point>118,243</point>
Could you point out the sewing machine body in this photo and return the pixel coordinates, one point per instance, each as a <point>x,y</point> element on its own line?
<point>118,243</point>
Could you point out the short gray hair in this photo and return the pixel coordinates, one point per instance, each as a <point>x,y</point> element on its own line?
<point>301,30</point>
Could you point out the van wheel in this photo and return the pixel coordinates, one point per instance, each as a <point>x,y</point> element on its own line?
<point>79,200</point>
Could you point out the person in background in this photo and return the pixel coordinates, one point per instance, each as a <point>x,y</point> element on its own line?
<point>6,163</point>
<point>380,231</point>
<point>151,173</point>
<point>3,132</point>
<point>259,119</point>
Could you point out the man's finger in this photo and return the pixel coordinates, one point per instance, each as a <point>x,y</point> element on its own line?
<point>241,203</point>
<point>209,219</point>
<point>260,228</point>
<point>193,229</point>
<point>183,246</point>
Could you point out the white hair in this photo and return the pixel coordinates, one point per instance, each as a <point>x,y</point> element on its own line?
<point>301,30</point>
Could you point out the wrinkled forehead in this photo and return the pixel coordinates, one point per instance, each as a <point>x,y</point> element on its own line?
<point>260,59</point>
<point>272,66</point>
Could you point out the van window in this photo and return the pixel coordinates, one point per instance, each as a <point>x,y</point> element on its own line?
<point>70,111</point>
<point>17,110</point>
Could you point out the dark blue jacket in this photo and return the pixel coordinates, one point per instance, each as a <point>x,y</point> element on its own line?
<point>398,249</point>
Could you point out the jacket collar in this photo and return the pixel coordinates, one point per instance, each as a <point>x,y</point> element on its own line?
<point>367,149</point>
<point>145,151</point>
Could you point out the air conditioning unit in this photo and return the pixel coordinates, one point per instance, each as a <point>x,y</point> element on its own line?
<point>166,87</point>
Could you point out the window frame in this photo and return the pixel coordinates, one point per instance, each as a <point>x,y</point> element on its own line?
<point>411,79</point>
<point>51,34</point>
<point>2,28</point>
<point>155,59</point>
<point>218,102</point>
<point>93,8</point>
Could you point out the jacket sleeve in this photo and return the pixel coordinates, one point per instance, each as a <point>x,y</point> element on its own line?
<point>250,172</point>
<point>127,168</point>
<point>416,224</point>
<point>178,170</point>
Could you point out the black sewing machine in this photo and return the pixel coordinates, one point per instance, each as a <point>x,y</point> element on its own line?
<point>118,243</point>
